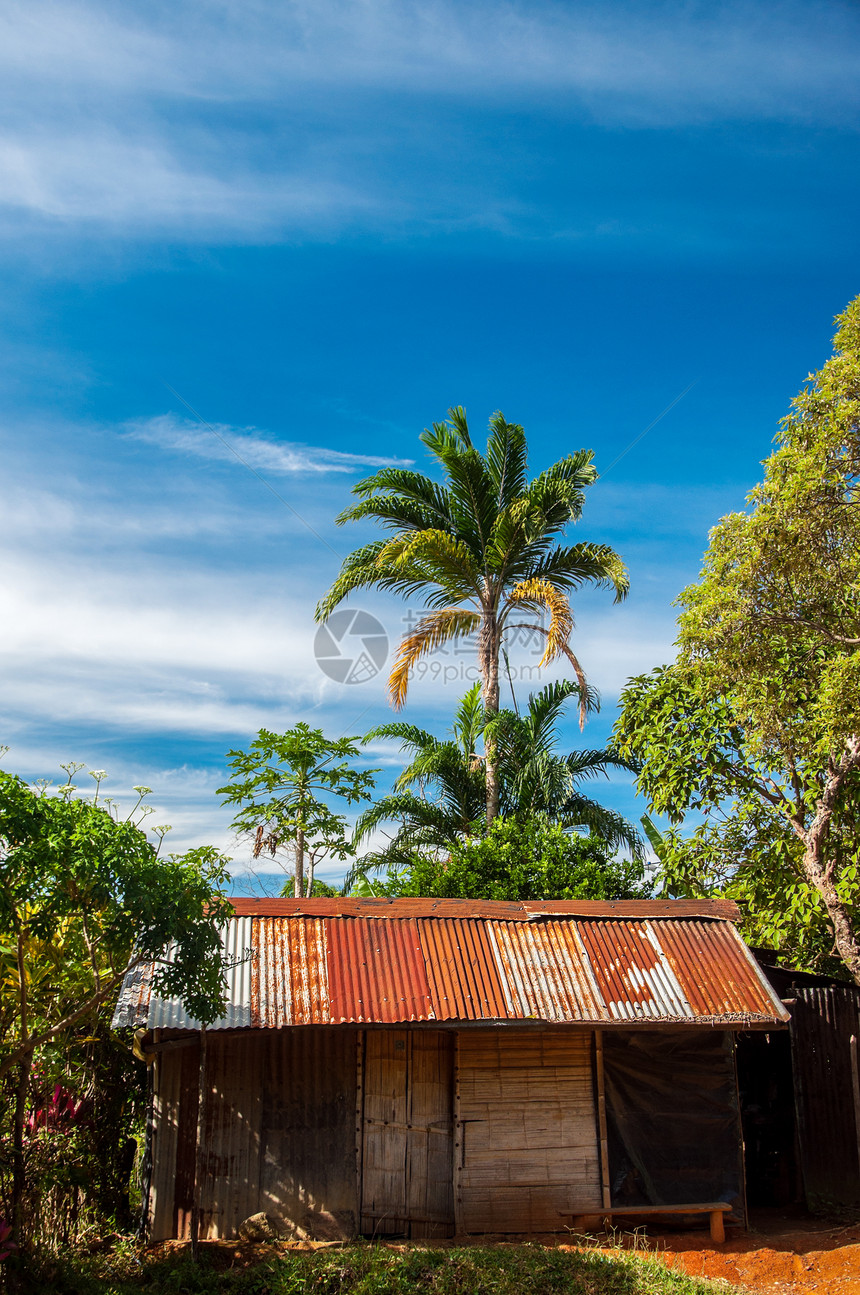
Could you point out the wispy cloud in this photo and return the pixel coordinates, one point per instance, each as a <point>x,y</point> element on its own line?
<point>183,436</point>
<point>298,120</point>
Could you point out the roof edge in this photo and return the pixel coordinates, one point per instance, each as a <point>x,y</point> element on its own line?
<point>720,910</point>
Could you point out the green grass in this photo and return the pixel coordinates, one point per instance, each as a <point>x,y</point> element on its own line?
<point>373,1270</point>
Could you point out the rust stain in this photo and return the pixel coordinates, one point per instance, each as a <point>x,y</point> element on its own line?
<point>376,971</point>
<point>461,970</point>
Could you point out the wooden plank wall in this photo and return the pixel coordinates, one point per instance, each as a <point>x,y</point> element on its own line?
<point>527,1149</point>
<point>279,1133</point>
<point>406,1122</point>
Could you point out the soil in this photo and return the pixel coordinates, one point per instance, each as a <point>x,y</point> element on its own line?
<point>780,1255</point>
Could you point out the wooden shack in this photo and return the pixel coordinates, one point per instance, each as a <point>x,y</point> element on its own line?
<point>422,1068</point>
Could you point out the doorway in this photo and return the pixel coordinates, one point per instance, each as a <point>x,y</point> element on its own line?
<point>406,1084</point>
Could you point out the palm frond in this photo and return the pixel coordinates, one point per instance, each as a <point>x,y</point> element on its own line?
<point>469,720</point>
<point>507,459</point>
<point>540,593</point>
<point>581,811</point>
<point>358,571</point>
<point>439,627</point>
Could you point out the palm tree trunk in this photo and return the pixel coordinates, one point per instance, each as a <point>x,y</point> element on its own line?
<point>489,650</point>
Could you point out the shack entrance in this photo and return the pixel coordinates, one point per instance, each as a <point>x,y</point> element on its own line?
<point>406,1119</point>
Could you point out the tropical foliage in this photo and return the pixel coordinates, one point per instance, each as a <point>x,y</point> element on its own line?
<point>481,551</point>
<point>760,715</point>
<point>84,898</point>
<point>532,859</point>
<point>440,797</point>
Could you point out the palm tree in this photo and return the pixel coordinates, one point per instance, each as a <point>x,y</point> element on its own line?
<point>536,780</point>
<point>481,550</point>
<point>441,795</point>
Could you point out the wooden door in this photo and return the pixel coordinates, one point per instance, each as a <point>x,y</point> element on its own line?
<point>407,1122</point>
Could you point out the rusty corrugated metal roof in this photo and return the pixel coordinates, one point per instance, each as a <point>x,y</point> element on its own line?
<point>651,963</point>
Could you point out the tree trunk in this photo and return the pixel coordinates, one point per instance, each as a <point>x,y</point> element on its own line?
<point>311,863</point>
<point>489,647</point>
<point>19,1169</point>
<point>819,869</point>
<point>299,886</point>
<point>199,1146</point>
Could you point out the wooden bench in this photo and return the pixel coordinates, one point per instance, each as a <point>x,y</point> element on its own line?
<point>716,1209</point>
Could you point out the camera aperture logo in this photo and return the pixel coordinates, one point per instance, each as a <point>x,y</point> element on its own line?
<point>351,646</point>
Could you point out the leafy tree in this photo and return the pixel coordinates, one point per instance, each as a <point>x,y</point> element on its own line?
<point>481,550</point>
<point>278,784</point>
<point>535,859</point>
<point>762,708</point>
<point>439,798</point>
<point>84,898</point>
<point>696,761</point>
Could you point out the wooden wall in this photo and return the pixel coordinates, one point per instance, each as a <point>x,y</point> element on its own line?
<point>526,1149</point>
<point>279,1133</point>
<point>388,1131</point>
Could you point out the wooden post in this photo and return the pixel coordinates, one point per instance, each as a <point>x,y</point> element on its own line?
<point>359,1128</point>
<point>198,1157</point>
<point>458,1140</point>
<point>855,1085</point>
<point>601,1121</point>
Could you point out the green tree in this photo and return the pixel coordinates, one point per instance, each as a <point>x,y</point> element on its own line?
<point>84,899</point>
<point>762,708</point>
<point>519,860</point>
<point>440,797</point>
<point>696,762</point>
<point>279,783</point>
<point>481,550</point>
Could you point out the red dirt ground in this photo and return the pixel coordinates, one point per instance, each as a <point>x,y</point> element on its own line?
<point>780,1255</point>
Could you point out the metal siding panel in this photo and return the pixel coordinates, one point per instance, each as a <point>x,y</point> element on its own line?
<point>822,1023</point>
<point>290,980</point>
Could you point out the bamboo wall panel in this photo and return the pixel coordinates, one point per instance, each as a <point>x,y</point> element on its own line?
<point>528,1149</point>
<point>407,1133</point>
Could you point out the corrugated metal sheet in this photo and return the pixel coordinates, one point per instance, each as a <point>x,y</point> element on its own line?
<point>289,982</point>
<point>314,970</point>
<point>824,1021</point>
<point>462,971</point>
<point>376,971</point>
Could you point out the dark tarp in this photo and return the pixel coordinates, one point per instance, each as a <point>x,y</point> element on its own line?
<point>673,1119</point>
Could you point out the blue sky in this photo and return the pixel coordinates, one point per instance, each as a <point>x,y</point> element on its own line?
<point>320,225</point>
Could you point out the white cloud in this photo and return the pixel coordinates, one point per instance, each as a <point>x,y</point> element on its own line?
<point>276,120</point>
<point>219,441</point>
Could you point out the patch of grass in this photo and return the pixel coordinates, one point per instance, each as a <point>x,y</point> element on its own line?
<point>365,1269</point>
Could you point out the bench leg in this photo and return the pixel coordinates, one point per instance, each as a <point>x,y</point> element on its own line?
<point>718,1229</point>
